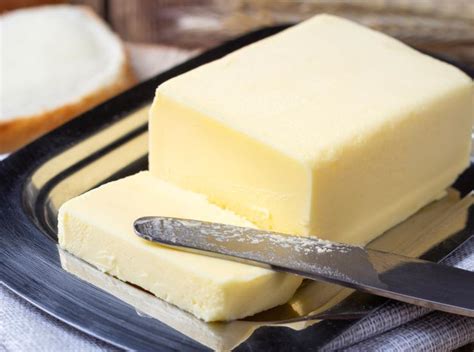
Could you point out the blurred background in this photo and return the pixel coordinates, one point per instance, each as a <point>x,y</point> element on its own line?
<point>444,27</point>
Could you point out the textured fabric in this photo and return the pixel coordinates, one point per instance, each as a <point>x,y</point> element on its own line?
<point>402,327</point>
<point>435,332</point>
<point>26,328</point>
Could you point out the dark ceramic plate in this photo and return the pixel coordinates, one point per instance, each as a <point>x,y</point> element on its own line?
<point>104,144</point>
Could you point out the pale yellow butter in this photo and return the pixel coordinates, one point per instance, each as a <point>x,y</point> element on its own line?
<point>98,227</point>
<point>327,128</point>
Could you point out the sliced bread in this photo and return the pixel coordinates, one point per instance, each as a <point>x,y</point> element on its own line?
<point>55,62</point>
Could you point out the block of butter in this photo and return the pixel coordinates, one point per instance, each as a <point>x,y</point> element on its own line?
<point>98,227</point>
<point>327,128</point>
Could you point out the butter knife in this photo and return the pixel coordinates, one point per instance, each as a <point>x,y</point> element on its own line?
<point>405,279</point>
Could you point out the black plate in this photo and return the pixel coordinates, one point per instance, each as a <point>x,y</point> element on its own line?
<point>64,163</point>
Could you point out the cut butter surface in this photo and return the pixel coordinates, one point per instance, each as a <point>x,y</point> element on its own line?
<point>98,227</point>
<point>327,128</point>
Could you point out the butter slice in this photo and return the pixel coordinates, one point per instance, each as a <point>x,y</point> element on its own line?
<point>327,128</point>
<point>98,227</point>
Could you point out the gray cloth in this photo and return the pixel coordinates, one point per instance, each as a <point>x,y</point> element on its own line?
<point>402,327</point>
<point>24,327</point>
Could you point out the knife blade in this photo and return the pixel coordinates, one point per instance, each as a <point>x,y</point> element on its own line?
<point>405,279</point>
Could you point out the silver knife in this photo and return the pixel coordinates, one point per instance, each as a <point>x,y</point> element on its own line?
<point>409,280</point>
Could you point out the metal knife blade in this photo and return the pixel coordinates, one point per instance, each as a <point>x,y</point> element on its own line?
<point>409,280</point>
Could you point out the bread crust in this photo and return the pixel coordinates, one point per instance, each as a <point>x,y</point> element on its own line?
<point>19,131</point>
